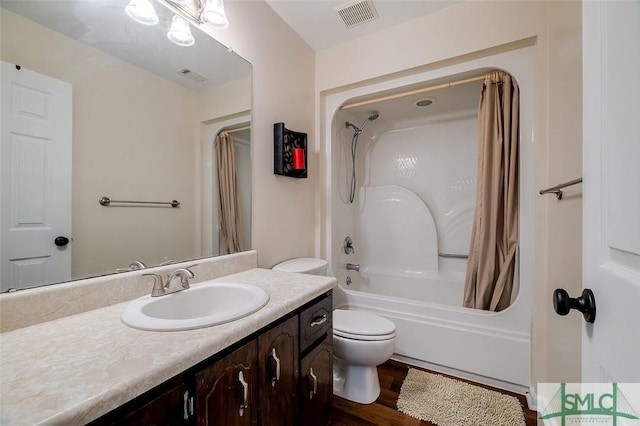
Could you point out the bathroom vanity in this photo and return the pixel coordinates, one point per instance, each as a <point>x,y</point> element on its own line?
<point>90,367</point>
<point>280,375</point>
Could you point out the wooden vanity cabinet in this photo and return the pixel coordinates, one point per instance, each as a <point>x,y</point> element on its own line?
<point>278,368</point>
<point>165,405</point>
<point>316,385</point>
<point>316,363</point>
<point>281,376</point>
<point>225,392</point>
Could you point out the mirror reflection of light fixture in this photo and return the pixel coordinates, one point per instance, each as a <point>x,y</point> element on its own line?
<point>180,33</point>
<point>214,14</point>
<point>142,11</point>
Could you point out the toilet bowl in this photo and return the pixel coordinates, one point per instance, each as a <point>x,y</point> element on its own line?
<point>361,342</point>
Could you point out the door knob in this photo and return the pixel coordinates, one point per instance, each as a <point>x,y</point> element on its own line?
<point>61,241</point>
<point>586,303</point>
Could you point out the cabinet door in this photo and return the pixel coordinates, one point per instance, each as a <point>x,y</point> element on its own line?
<point>165,405</point>
<point>226,391</point>
<point>316,385</point>
<point>278,370</point>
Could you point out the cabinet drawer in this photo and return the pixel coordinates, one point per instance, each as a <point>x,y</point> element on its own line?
<point>315,322</point>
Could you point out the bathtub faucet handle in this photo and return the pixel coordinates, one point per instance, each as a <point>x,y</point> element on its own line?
<point>347,245</point>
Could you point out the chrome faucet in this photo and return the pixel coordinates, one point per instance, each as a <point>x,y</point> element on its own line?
<point>160,288</point>
<point>158,285</point>
<point>353,266</point>
<point>136,265</point>
<point>184,274</point>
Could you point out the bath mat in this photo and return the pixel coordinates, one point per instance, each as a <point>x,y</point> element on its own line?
<point>449,402</point>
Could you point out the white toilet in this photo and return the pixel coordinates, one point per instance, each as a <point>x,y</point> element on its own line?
<point>361,342</point>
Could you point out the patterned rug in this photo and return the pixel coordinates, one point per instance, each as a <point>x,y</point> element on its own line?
<point>449,402</point>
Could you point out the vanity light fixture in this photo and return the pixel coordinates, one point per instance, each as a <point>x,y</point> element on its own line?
<point>214,14</point>
<point>142,11</point>
<point>180,33</point>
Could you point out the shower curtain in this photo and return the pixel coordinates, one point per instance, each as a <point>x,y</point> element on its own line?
<point>494,236</point>
<point>230,236</point>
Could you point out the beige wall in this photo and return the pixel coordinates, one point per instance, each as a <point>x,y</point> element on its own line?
<point>225,100</point>
<point>561,221</point>
<point>134,137</point>
<point>479,28</point>
<point>284,214</point>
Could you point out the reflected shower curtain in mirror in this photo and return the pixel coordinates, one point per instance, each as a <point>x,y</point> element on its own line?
<point>494,236</point>
<point>230,229</point>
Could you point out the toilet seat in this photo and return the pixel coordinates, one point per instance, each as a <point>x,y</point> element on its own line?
<point>358,325</point>
<point>363,337</point>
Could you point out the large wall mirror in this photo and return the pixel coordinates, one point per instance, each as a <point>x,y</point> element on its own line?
<point>137,116</point>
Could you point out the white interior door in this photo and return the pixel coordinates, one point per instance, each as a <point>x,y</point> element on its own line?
<point>611,234</point>
<point>35,168</point>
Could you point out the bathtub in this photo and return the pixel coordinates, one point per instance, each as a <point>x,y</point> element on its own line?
<point>488,347</point>
<point>404,277</point>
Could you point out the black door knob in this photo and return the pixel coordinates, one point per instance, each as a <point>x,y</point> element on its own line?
<point>61,241</point>
<point>586,303</point>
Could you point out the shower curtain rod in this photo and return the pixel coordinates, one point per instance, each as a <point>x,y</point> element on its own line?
<point>239,129</point>
<point>413,92</point>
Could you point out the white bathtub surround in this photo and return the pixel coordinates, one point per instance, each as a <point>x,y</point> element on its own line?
<point>33,306</point>
<point>74,369</point>
<point>429,157</point>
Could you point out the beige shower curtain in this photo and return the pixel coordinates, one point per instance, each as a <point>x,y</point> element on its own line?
<point>230,225</point>
<point>494,236</point>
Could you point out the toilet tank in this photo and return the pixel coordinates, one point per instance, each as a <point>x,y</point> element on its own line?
<point>303,265</point>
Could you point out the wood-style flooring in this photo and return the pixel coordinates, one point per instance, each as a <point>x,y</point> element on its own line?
<point>383,412</point>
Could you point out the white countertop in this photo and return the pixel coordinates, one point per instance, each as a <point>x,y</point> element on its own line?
<point>73,370</point>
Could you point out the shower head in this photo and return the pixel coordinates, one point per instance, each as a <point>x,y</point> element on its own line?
<point>373,116</point>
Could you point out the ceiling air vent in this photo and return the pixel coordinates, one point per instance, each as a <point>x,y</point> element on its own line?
<point>357,12</point>
<point>192,75</point>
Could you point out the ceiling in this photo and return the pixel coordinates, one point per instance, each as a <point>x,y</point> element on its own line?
<point>320,25</point>
<point>103,24</point>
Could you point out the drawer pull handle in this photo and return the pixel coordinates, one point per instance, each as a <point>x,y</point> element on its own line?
<point>319,320</point>
<point>277,376</point>
<point>245,393</point>
<point>314,387</point>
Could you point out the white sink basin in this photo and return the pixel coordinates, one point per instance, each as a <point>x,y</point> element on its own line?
<point>202,305</point>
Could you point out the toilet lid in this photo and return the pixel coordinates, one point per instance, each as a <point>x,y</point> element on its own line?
<point>362,325</point>
<point>304,265</point>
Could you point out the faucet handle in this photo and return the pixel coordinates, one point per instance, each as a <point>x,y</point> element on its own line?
<point>158,284</point>
<point>184,274</point>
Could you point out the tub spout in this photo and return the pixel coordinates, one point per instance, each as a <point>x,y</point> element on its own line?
<point>353,266</point>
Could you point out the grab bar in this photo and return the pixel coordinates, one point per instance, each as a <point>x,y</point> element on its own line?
<point>454,256</point>
<point>558,188</point>
<point>106,201</point>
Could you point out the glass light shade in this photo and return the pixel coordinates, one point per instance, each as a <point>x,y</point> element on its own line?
<point>142,11</point>
<point>180,33</point>
<point>214,14</point>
